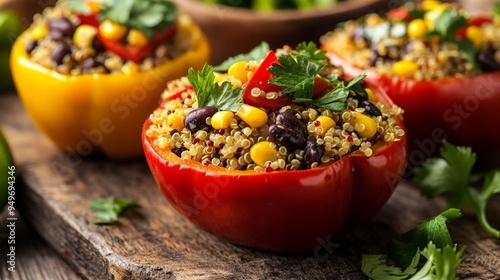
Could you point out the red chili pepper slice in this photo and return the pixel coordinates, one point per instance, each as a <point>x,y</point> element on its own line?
<point>399,13</point>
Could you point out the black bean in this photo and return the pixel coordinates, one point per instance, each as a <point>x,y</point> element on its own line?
<point>197,119</point>
<point>30,46</point>
<point>60,51</point>
<point>56,35</point>
<point>286,137</point>
<point>312,153</point>
<point>487,62</point>
<point>370,108</point>
<point>289,119</point>
<point>373,58</point>
<point>89,64</point>
<point>178,151</point>
<point>97,45</point>
<point>64,25</point>
<point>359,33</point>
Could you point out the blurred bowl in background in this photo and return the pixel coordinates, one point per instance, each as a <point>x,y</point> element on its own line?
<point>232,31</point>
<point>26,8</point>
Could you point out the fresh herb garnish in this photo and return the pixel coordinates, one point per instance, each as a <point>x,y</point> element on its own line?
<point>451,174</point>
<point>298,71</point>
<point>145,15</point>
<point>430,239</point>
<point>107,210</point>
<point>296,74</point>
<point>258,53</point>
<point>209,93</point>
<point>446,26</point>
<point>310,50</point>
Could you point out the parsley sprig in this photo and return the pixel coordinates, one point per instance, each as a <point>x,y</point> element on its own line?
<point>446,26</point>
<point>431,239</point>
<point>451,174</point>
<point>209,93</point>
<point>145,15</point>
<point>297,72</point>
<point>107,210</point>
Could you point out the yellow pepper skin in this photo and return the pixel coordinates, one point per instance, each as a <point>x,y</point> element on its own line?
<point>99,112</point>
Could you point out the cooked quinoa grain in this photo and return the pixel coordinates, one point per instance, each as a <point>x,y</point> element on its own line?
<point>417,46</point>
<point>293,137</point>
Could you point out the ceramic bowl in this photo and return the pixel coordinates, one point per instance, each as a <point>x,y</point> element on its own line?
<point>232,31</point>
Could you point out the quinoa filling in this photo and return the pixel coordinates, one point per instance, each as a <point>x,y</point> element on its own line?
<point>60,39</point>
<point>299,135</point>
<point>423,42</point>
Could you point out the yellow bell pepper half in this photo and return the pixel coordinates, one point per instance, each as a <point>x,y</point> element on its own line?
<point>86,113</point>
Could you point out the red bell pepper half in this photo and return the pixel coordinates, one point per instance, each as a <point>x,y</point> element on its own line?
<point>282,211</point>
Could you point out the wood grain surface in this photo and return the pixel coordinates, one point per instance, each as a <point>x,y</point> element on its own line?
<point>154,242</point>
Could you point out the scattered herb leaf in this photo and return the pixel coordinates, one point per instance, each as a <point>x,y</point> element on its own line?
<point>209,93</point>
<point>442,260</point>
<point>258,53</point>
<point>451,174</point>
<point>107,210</point>
<point>434,230</point>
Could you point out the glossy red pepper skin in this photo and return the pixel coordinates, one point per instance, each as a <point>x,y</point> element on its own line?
<point>261,80</point>
<point>281,211</point>
<point>462,110</point>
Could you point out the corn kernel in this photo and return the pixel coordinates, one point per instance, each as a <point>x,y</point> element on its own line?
<point>325,123</point>
<point>220,120</point>
<point>432,15</point>
<point>371,95</point>
<point>84,35</point>
<point>253,116</point>
<point>430,5</point>
<point>220,78</point>
<point>405,69</point>
<point>263,152</point>
<point>175,121</point>
<point>417,28</point>
<point>137,38</point>
<point>475,34</point>
<point>238,71</point>
<point>364,125</point>
<point>112,31</point>
<point>38,32</point>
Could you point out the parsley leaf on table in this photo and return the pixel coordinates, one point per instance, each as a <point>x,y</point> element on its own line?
<point>209,93</point>
<point>451,174</point>
<point>430,239</point>
<point>107,210</point>
<point>258,53</point>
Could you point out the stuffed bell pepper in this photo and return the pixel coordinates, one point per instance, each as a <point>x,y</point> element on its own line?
<point>437,62</point>
<point>276,153</point>
<point>88,72</point>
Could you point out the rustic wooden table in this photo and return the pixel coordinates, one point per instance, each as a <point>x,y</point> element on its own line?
<point>57,240</point>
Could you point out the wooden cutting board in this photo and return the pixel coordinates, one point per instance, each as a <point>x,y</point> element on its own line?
<point>154,242</point>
